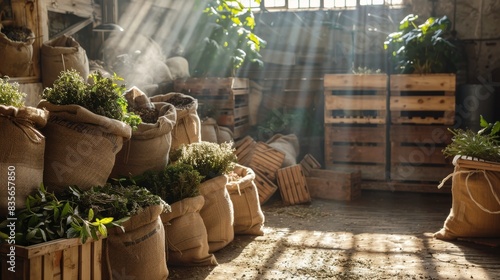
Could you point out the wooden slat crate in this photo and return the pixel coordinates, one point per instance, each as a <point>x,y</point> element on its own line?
<point>356,147</point>
<point>292,185</point>
<point>353,99</point>
<point>267,160</point>
<point>416,153</point>
<point>58,259</point>
<point>291,92</point>
<point>228,97</point>
<point>333,184</point>
<point>265,187</point>
<point>309,163</point>
<point>244,149</point>
<point>423,99</point>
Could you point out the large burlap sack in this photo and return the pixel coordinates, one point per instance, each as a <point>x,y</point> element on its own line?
<point>212,132</point>
<point>149,146</point>
<point>475,208</point>
<point>186,235</point>
<point>80,146</point>
<point>289,144</point>
<point>22,149</point>
<point>139,252</point>
<point>187,129</point>
<point>60,54</point>
<point>248,215</point>
<point>179,67</point>
<point>217,213</point>
<point>16,56</point>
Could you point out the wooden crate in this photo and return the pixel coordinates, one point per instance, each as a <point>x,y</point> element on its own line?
<point>333,184</point>
<point>228,97</point>
<point>267,160</point>
<point>291,92</point>
<point>58,259</point>
<point>353,99</point>
<point>356,147</point>
<point>265,187</point>
<point>422,99</point>
<point>309,163</point>
<point>416,153</point>
<point>292,185</point>
<point>244,149</point>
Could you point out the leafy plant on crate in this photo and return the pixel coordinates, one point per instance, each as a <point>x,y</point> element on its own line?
<point>424,48</point>
<point>10,95</point>
<point>103,96</point>
<point>224,40</point>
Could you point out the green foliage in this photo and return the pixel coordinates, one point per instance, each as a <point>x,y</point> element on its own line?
<point>484,144</point>
<point>423,48</point>
<point>10,94</point>
<point>176,182</point>
<point>297,121</point>
<point>224,40</point>
<point>103,96</point>
<point>209,159</point>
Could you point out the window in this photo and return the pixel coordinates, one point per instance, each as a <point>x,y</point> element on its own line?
<point>320,4</point>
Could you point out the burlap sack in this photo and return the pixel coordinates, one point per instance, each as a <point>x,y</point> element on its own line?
<point>139,252</point>
<point>149,146</point>
<point>187,130</point>
<point>16,56</point>
<point>212,132</point>
<point>80,146</point>
<point>475,208</point>
<point>248,215</point>
<point>186,235</point>
<point>22,149</point>
<point>60,54</point>
<point>289,144</point>
<point>217,213</point>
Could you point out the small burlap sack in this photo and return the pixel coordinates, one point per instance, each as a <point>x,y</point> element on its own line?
<point>248,215</point>
<point>187,129</point>
<point>139,252</point>
<point>80,146</point>
<point>22,149</point>
<point>60,54</point>
<point>16,57</point>
<point>212,132</point>
<point>186,235</point>
<point>288,144</point>
<point>475,208</point>
<point>149,146</point>
<point>217,213</point>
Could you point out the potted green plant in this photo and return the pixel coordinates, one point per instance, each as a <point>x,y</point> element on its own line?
<point>87,127</point>
<point>475,208</point>
<point>22,146</point>
<point>213,161</point>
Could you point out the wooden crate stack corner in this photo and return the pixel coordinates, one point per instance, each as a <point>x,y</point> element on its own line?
<point>292,185</point>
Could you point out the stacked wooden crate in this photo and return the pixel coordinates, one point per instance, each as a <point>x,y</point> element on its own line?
<point>355,123</point>
<point>228,97</point>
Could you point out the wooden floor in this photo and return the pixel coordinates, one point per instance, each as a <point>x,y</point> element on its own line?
<point>381,235</point>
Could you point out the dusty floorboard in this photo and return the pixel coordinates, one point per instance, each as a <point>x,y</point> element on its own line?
<point>382,235</point>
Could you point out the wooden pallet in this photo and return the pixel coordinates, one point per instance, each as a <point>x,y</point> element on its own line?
<point>265,187</point>
<point>266,160</point>
<point>58,259</point>
<point>356,147</point>
<point>293,185</point>
<point>423,99</point>
<point>227,97</point>
<point>353,99</point>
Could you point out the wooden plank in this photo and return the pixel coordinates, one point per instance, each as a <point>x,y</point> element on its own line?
<point>85,261</point>
<point>290,85</point>
<point>358,102</point>
<point>430,82</point>
<point>36,268</point>
<point>422,103</point>
<point>355,154</point>
<point>418,155</point>
<point>420,173</point>
<point>368,171</point>
<point>48,266</point>
<point>70,263</point>
<point>354,81</point>
<point>96,257</point>
<point>419,187</point>
<point>266,188</point>
<point>420,134</point>
<point>355,134</point>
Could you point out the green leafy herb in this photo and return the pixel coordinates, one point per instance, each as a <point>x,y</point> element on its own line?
<point>10,94</point>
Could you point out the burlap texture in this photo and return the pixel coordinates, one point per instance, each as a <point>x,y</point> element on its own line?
<point>60,54</point>
<point>22,149</point>
<point>288,144</point>
<point>80,146</point>
<point>217,213</point>
<point>248,215</point>
<point>186,235</point>
<point>475,208</point>
<point>139,252</point>
<point>187,129</point>
<point>15,56</point>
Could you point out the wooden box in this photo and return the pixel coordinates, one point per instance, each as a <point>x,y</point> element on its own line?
<point>244,149</point>
<point>333,184</point>
<point>357,147</point>
<point>354,99</point>
<point>292,185</point>
<point>422,99</point>
<point>308,163</point>
<point>227,97</point>
<point>265,187</point>
<point>266,160</point>
<point>58,259</point>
